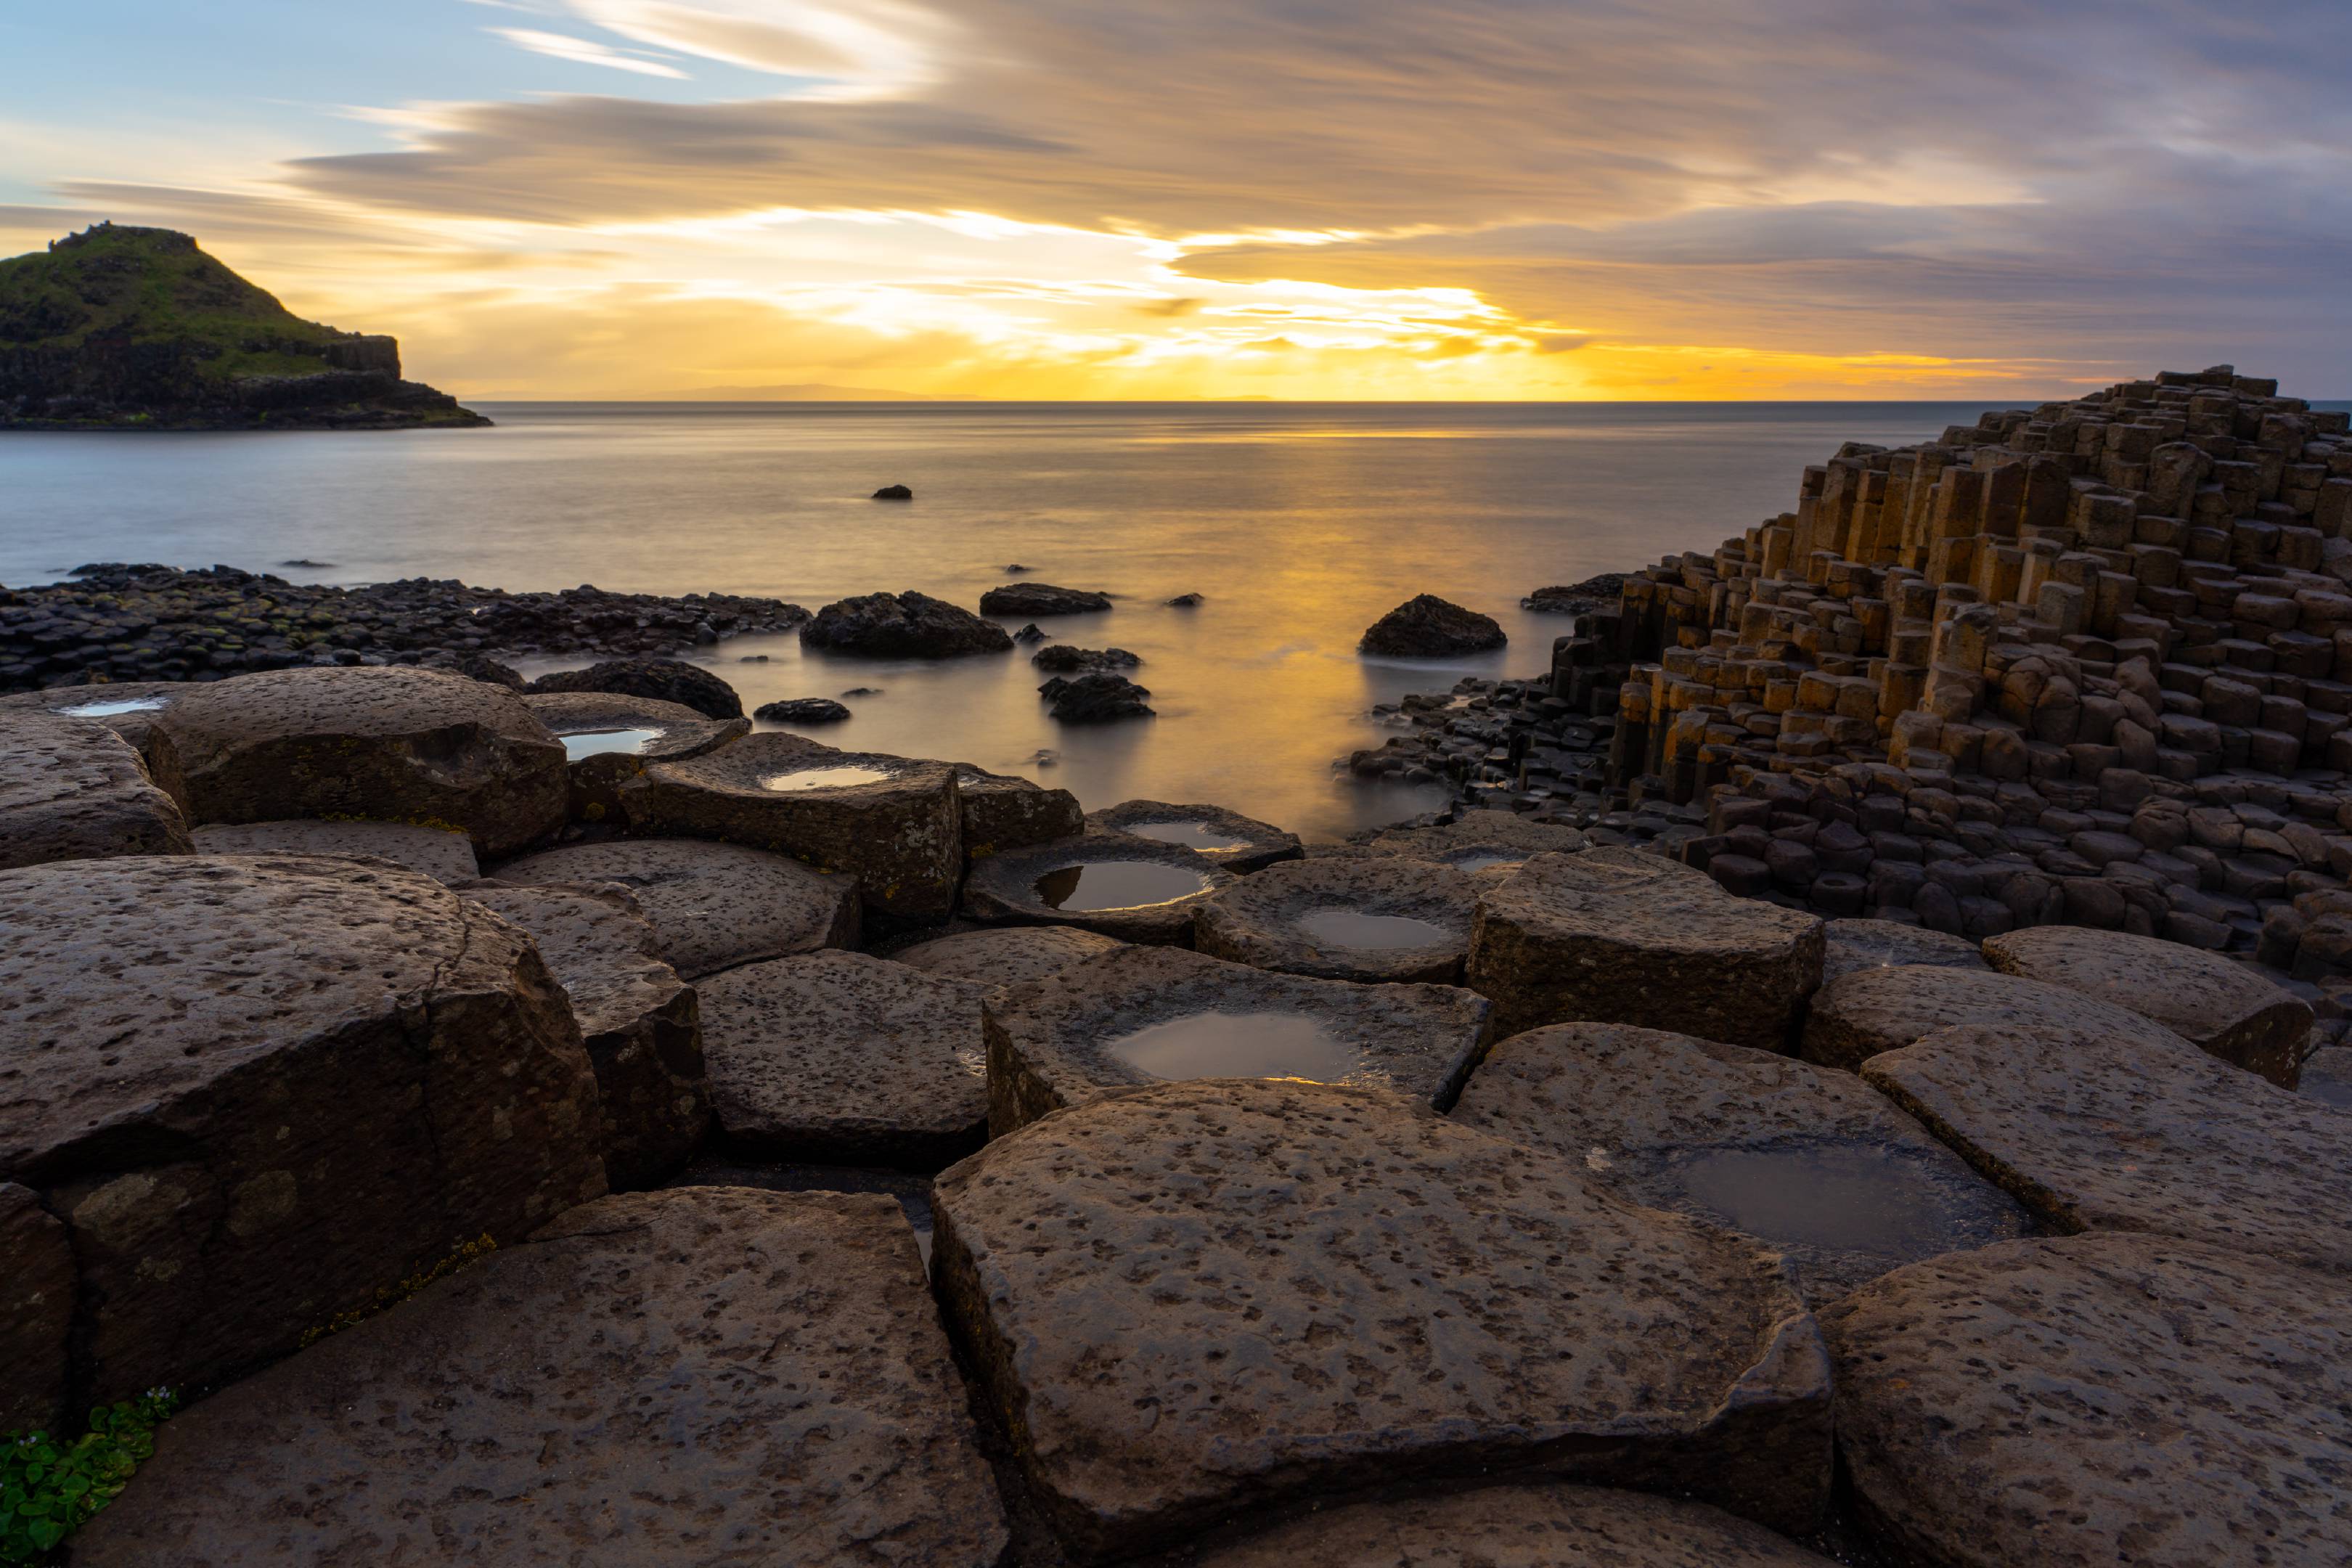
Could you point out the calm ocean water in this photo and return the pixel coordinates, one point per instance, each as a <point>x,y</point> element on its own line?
<point>1299,524</point>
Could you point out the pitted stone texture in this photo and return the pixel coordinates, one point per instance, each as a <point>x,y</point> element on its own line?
<point>1861,1015</point>
<point>390,743</point>
<point>596,780</point>
<point>434,852</point>
<point>2099,1400</point>
<point>2327,1076</point>
<point>845,1059</point>
<point>36,1308</point>
<point>641,1024</point>
<point>2207,999</point>
<point>902,835</point>
<point>1003,812</point>
<point>1519,1527</point>
<point>1003,889</point>
<point>712,906</point>
<point>1682,1124</point>
<point>1257,845</point>
<point>2095,1131</point>
<point>1051,1040</point>
<point>1260,921</point>
<point>1208,1297</point>
<point>1849,946</point>
<point>1618,936</point>
<point>129,709</point>
<point>1483,840</point>
<point>689,1377</point>
<point>1006,956</point>
<point>72,789</point>
<point>258,1088</point>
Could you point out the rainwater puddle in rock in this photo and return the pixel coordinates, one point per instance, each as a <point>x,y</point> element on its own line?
<point>1836,1196</point>
<point>108,709</point>
<point>1483,860</point>
<point>1116,885</point>
<point>1191,834</point>
<point>1352,928</point>
<point>1238,1045</point>
<point>823,778</point>
<point>607,743</point>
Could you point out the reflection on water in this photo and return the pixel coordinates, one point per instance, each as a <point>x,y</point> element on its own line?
<point>823,778</point>
<point>1238,1045</point>
<point>1096,885</point>
<point>1191,834</point>
<point>606,742</point>
<point>1352,928</point>
<point>108,709</point>
<point>1839,1195</point>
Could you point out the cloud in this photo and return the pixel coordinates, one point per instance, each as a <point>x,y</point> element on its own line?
<point>870,43</point>
<point>585,51</point>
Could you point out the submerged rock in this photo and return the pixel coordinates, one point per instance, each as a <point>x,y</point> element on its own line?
<point>1095,699</point>
<point>1040,599</point>
<point>1430,627</point>
<point>902,625</point>
<point>662,680</point>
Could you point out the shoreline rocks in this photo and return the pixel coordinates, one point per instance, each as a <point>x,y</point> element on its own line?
<point>902,625</point>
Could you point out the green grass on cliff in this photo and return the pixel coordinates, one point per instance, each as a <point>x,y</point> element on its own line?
<point>131,286</point>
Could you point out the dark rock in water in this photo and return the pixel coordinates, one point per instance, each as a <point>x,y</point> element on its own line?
<point>1062,658</point>
<point>1030,633</point>
<point>1575,599</point>
<point>902,625</point>
<point>1430,627</point>
<point>1040,599</point>
<point>663,680</point>
<point>752,659</point>
<point>1095,699</point>
<point>1016,566</point>
<point>803,711</point>
<point>1185,602</point>
<point>894,492</point>
<point>305,564</point>
<point>863,691</point>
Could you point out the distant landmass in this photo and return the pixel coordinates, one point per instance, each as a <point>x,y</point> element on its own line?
<point>804,391</point>
<point>122,328</point>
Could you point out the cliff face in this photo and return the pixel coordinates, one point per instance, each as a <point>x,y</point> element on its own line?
<point>138,327</point>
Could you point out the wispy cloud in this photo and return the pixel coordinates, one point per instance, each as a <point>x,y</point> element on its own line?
<point>586,52</point>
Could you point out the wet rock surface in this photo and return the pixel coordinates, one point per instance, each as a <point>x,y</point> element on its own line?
<point>1860,1015</point>
<point>1373,919</point>
<point>610,738</point>
<point>1849,946</point>
<point>1483,841</point>
<point>259,1089</point>
<point>1613,935</point>
<point>902,625</point>
<point>1430,627</point>
<point>1125,1020</point>
<point>1137,889</point>
<point>712,906</point>
<point>656,680</point>
<point>436,852</point>
<point>1025,600</point>
<point>1462,1289</point>
<point>1004,811</point>
<point>677,1377</point>
<point>1006,956</point>
<point>2061,1400</point>
<point>847,1059</point>
<point>1226,838</point>
<point>72,789</point>
<point>2095,1131</point>
<point>1807,1160</point>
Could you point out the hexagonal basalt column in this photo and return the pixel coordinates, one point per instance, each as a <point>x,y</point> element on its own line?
<point>1143,1015</point>
<point>129,709</point>
<point>1483,841</point>
<point>1003,812</point>
<point>1006,956</point>
<point>258,1089</point>
<point>609,738</point>
<point>1208,1298</point>
<point>1623,937</point>
<point>1370,917</point>
<point>1852,945</point>
<point>1135,889</point>
<point>436,852</point>
<point>1224,839</point>
<point>72,789</point>
<point>1858,1015</point>
<point>893,822</point>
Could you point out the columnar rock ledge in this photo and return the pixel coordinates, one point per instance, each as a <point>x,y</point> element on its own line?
<point>866,1159</point>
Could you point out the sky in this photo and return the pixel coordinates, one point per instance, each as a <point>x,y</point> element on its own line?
<point>1407,199</point>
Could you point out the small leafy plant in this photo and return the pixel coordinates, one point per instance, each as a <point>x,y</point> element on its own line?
<point>50,1486</point>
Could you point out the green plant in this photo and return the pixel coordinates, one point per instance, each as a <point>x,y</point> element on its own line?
<point>49,1486</point>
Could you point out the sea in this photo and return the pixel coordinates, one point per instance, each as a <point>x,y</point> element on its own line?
<point>1298,524</point>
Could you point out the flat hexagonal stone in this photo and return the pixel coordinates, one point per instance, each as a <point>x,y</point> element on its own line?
<point>2100,1399</point>
<point>2201,997</point>
<point>1519,1527</point>
<point>1008,956</point>
<point>72,789</point>
<point>1136,890</point>
<point>1374,918</point>
<point>436,852</point>
<point>2098,1132</point>
<point>641,1024</point>
<point>892,822</point>
<point>1483,840</point>
<point>258,1088</point>
<point>609,736</point>
<point>1855,943</point>
<point>389,744</point>
<point>1205,1298</point>
<point>1226,838</point>
<point>37,1309</point>
<point>129,709</point>
<point>1619,936</point>
<point>1858,1015</point>
<point>2327,1076</point>
<point>1805,1160</point>
<point>1002,811</point>
<point>1139,1016</point>
<point>687,1377</point>
<point>712,906</point>
<point>845,1059</point>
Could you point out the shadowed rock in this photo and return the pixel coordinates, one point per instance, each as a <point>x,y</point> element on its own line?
<point>1429,628</point>
<point>1858,1015</point>
<point>436,852</point>
<point>1483,841</point>
<point>902,625</point>
<point>1851,945</point>
<point>1007,956</point>
<point>2327,1076</point>
<point>1226,838</point>
<point>671,680</point>
<point>662,1378</point>
<point>1315,1289</point>
<point>1137,889</point>
<point>1025,600</point>
<point>72,789</point>
<point>1373,919</point>
<point>37,1310</point>
<point>1003,811</point>
<point>609,739</point>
